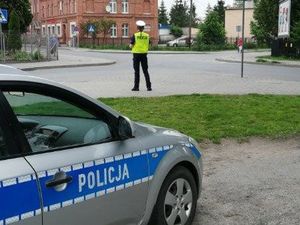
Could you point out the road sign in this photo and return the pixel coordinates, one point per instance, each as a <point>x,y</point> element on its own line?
<point>91,28</point>
<point>3,16</point>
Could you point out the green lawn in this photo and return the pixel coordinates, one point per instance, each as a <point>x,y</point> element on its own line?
<point>217,116</point>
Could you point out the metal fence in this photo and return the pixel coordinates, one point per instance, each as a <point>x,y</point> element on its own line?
<point>40,47</point>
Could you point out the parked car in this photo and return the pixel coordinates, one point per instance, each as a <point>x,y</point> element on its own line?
<point>180,42</point>
<point>68,159</point>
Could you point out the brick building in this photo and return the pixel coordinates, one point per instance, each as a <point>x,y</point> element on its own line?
<point>63,17</point>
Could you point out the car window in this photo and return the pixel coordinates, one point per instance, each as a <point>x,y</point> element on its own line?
<point>3,146</point>
<point>50,123</point>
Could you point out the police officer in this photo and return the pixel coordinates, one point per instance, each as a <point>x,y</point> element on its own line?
<point>139,44</point>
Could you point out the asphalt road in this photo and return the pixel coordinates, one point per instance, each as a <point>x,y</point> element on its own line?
<point>175,74</point>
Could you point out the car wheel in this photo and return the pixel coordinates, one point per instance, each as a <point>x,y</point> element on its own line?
<point>177,199</point>
<point>175,45</point>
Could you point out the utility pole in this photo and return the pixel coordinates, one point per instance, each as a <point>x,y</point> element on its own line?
<point>243,38</point>
<point>190,27</point>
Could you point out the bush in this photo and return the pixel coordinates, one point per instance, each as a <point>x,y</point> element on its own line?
<point>114,47</point>
<point>37,55</point>
<point>21,56</point>
<point>14,34</point>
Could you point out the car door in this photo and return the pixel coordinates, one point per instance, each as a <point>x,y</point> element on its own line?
<point>182,42</point>
<point>87,175</point>
<point>19,195</point>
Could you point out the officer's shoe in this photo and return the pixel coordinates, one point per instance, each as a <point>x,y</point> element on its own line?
<point>135,89</point>
<point>149,89</point>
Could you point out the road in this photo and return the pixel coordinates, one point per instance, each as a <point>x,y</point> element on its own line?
<point>175,74</point>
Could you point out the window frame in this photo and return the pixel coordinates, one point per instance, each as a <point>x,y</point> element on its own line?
<point>72,24</point>
<point>125,27</point>
<point>125,6</point>
<point>113,31</point>
<point>63,95</point>
<point>113,6</point>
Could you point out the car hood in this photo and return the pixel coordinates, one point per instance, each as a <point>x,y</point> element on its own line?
<point>156,134</point>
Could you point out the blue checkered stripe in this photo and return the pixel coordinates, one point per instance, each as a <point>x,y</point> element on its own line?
<point>193,149</point>
<point>90,180</point>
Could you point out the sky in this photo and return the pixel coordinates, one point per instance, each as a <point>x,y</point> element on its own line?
<point>201,5</point>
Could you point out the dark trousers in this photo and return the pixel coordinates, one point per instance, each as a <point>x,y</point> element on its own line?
<point>137,59</point>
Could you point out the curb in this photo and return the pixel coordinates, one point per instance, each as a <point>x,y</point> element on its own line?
<point>258,63</point>
<point>150,52</point>
<point>66,66</point>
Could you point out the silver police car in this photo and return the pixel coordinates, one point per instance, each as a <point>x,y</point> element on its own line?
<point>67,159</point>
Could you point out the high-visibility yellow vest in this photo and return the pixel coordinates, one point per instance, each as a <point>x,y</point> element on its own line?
<point>141,44</point>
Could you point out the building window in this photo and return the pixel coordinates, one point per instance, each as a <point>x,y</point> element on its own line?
<point>125,6</point>
<point>43,30</point>
<point>72,29</point>
<point>61,7</point>
<point>125,30</point>
<point>49,30</point>
<point>53,29</point>
<point>113,30</point>
<point>113,6</point>
<point>58,29</point>
<point>43,12</point>
<point>48,11</point>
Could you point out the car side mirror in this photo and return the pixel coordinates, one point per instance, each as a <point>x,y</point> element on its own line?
<point>125,129</point>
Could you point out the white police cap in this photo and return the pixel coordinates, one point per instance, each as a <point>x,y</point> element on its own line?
<point>140,23</point>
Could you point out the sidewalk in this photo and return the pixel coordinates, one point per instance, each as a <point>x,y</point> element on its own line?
<point>65,61</point>
<point>250,57</point>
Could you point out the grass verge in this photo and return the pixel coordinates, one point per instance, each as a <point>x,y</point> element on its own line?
<point>214,117</point>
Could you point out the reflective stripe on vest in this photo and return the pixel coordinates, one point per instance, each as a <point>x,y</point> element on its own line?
<point>141,44</point>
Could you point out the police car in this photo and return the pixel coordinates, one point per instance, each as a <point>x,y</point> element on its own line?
<point>67,159</point>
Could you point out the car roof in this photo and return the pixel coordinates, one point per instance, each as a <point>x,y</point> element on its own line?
<point>31,79</point>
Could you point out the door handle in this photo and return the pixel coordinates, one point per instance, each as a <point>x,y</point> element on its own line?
<point>56,181</point>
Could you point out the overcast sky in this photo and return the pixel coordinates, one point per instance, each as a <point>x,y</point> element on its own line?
<point>201,5</point>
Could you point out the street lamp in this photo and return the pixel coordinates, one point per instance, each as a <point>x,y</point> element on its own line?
<point>243,38</point>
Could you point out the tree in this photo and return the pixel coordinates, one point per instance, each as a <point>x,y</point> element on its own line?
<point>105,26</point>
<point>295,13</point>
<point>212,31</point>
<point>176,31</point>
<point>101,26</point>
<point>208,9</point>
<point>220,9</point>
<point>265,24</point>
<point>296,35</point>
<point>14,34</point>
<point>179,14</point>
<point>162,14</point>
<point>22,9</point>
<point>85,29</point>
